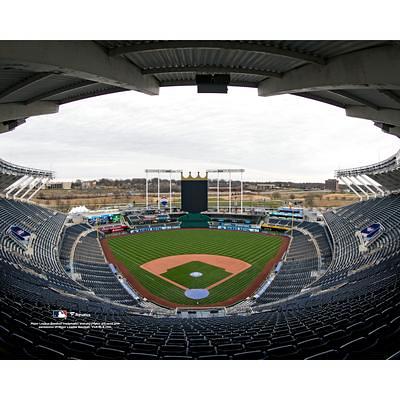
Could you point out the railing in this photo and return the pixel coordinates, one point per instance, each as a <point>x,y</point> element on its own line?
<point>390,163</point>
<point>7,167</point>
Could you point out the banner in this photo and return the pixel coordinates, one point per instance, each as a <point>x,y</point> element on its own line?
<point>19,234</point>
<point>371,232</point>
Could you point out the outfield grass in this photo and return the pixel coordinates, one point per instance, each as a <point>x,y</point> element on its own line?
<point>181,274</point>
<point>135,250</point>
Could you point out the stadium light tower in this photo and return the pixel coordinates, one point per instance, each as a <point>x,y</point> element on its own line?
<point>229,171</point>
<point>159,172</point>
<point>218,191</point>
<point>230,191</point>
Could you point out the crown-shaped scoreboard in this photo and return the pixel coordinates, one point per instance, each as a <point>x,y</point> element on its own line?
<point>194,193</point>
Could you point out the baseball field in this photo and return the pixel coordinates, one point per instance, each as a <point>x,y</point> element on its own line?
<point>173,268</point>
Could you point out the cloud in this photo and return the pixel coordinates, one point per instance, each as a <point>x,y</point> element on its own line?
<point>274,138</point>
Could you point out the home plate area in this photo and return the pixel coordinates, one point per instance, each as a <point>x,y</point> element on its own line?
<point>196,274</point>
<point>196,294</point>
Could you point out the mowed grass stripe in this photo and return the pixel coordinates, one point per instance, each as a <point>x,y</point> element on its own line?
<point>149,252</point>
<point>135,250</point>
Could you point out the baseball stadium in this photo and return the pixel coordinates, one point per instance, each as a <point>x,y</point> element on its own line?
<point>200,280</point>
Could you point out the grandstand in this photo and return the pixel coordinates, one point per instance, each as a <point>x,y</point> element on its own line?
<point>350,311</point>
<point>373,180</point>
<point>22,182</point>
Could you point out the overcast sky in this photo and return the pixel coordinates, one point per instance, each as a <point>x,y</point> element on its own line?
<point>119,135</point>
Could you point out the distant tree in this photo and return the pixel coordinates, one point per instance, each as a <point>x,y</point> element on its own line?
<point>77,184</point>
<point>292,196</point>
<point>309,200</point>
<point>276,196</point>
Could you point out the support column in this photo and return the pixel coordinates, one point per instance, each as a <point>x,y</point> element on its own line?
<point>367,185</point>
<point>170,193</point>
<point>356,183</point>
<point>15,185</point>
<point>241,192</point>
<point>23,186</point>
<point>158,190</point>
<point>31,187</point>
<point>230,192</point>
<point>44,181</point>
<point>147,192</point>
<point>349,186</point>
<point>218,192</point>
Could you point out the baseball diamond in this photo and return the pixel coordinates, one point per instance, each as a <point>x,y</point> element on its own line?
<point>159,264</point>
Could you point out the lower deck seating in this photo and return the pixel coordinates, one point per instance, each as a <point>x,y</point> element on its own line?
<point>358,321</point>
<point>93,272</point>
<point>357,318</point>
<point>69,238</point>
<point>296,272</point>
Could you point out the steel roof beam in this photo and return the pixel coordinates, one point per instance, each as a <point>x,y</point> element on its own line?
<point>395,130</point>
<point>16,111</point>
<point>386,115</point>
<point>85,60</point>
<point>209,69</point>
<point>60,91</point>
<point>24,83</point>
<point>392,95</point>
<point>218,45</point>
<point>374,68</point>
<point>356,98</point>
<point>6,126</point>
<point>191,82</point>
<point>388,128</point>
<point>322,99</point>
<point>88,94</point>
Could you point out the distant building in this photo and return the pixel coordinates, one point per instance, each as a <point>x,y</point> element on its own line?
<point>259,187</point>
<point>59,185</point>
<point>332,185</point>
<point>88,185</point>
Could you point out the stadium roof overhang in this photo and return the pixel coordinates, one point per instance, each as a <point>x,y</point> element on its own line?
<point>36,77</point>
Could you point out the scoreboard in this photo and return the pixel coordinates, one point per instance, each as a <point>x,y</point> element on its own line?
<point>104,219</point>
<point>194,194</point>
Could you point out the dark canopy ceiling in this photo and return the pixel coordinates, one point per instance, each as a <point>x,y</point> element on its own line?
<point>36,77</point>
